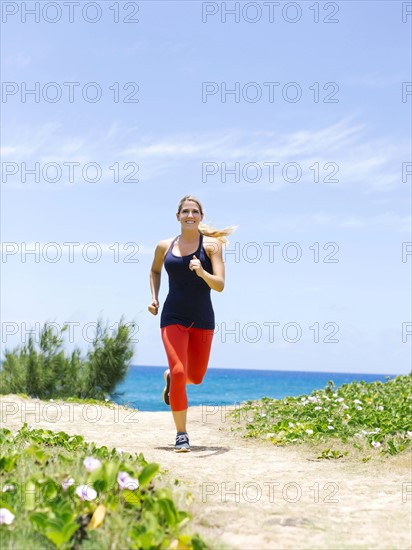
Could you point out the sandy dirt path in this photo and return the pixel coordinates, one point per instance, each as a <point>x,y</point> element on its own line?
<point>248,494</point>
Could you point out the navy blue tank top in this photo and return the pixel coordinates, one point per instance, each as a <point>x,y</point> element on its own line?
<point>188,302</point>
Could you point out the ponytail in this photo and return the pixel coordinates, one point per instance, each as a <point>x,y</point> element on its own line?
<point>219,234</point>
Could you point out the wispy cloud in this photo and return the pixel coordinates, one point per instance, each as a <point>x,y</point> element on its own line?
<point>372,164</point>
<point>16,60</point>
<point>374,79</point>
<point>302,223</point>
<point>52,250</point>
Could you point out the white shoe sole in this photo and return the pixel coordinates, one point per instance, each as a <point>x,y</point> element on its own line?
<point>166,391</point>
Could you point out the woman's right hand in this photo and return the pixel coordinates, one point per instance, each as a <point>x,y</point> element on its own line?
<point>154,307</point>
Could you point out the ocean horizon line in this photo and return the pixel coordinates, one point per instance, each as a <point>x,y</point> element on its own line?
<point>369,373</point>
<point>143,385</point>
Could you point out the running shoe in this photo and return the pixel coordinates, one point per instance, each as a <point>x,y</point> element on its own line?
<point>165,394</point>
<point>182,443</point>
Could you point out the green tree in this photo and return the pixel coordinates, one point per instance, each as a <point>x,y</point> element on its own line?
<point>46,372</point>
<point>34,384</point>
<point>109,359</point>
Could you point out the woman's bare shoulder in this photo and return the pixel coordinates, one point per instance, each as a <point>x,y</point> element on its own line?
<point>211,244</point>
<point>164,244</point>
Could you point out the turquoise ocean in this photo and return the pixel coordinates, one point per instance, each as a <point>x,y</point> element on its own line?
<point>142,388</point>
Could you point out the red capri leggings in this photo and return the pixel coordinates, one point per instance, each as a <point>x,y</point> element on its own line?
<point>188,351</point>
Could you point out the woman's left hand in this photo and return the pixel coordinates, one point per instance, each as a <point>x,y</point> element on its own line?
<point>196,266</point>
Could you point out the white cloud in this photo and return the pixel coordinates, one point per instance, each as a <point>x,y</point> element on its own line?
<point>17,60</point>
<point>387,221</point>
<point>68,249</point>
<point>372,164</point>
<point>373,79</point>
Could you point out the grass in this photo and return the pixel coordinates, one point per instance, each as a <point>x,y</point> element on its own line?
<point>373,417</point>
<point>66,493</point>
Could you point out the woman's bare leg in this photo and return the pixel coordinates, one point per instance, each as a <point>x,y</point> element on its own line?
<point>180,420</point>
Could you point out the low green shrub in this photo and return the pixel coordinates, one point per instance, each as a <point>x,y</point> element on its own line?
<point>57,491</point>
<point>378,414</point>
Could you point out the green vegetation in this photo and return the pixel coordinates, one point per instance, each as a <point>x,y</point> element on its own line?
<point>57,491</point>
<point>47,373</point>
<point>366,415</point>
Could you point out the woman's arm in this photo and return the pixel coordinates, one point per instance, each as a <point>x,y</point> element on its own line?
<point>155,275</point>
<point>213,249</point>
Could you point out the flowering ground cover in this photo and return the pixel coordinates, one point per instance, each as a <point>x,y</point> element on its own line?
<point>372,416</point>
<point>57,491</point>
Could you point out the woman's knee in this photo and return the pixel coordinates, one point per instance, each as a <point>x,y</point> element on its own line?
<point>178,376</point>
<point>178,397</point>
<point>196,377</point>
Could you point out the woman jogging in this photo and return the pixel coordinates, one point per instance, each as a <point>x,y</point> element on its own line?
<point>193,261</point>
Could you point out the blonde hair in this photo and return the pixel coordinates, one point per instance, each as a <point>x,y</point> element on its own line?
<point>205,229</point>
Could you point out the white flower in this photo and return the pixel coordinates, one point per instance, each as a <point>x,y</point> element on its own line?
<point>313,399</point>
<point>309,432</point>
<point>91,463</point>
<point>330,420</point>
<point>335,395</point>
<point>339,399</point>
<point>291,425</point>
<point>318,408</point>
<point>51,400</point>
<point>409,434</point>
<point>120,451</point>
<point>375,444</point>
<point>263,415</point>
<point>249,419</point>
<point>66,483</point>
<point>357,401</point>
<point>107,399</point>
<point>85,492</point>
<point>348,416</point>
<point>8,487</point>
<point>330,427</point>
<point>6,516</point>
<point>345,406</point>
<point>377,430</point>
<point>126,482</point>
<point>326,397</point>
<point>359,408</point>
<point>380,408</point>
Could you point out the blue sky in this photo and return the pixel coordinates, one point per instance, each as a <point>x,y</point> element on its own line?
<point>319,177</point>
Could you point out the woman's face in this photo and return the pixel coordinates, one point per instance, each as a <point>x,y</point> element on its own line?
<point>189,215</point>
